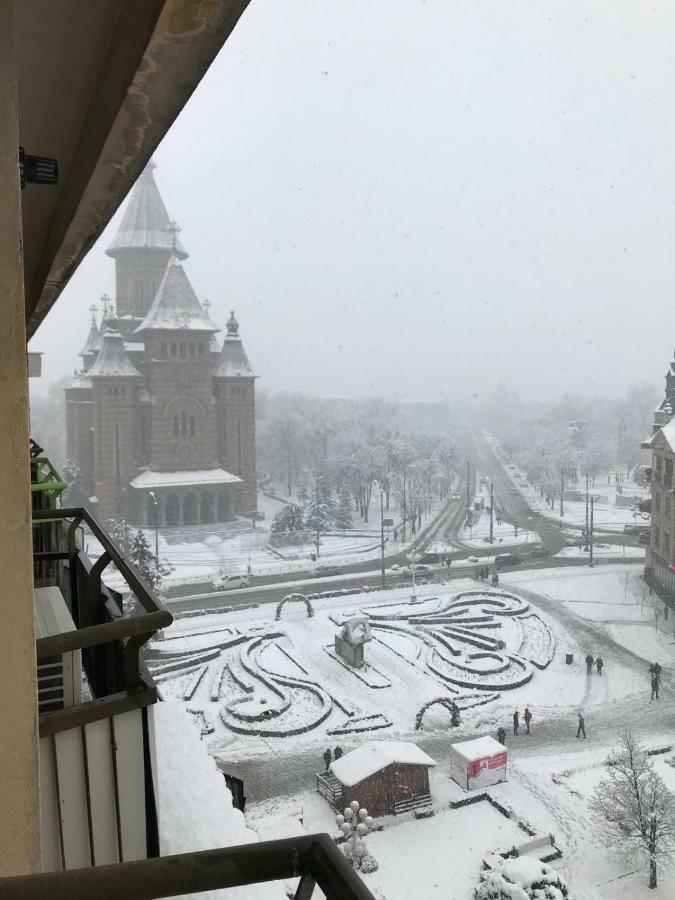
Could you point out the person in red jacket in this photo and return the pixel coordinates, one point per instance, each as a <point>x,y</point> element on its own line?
<point>527,718</point>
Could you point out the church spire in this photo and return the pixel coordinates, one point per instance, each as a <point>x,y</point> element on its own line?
<point>176,307</point>
<point>90,346</point>
<point>233,359</point>
<point>145,221</point>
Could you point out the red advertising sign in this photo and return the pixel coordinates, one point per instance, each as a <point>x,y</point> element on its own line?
<point>476,766</point>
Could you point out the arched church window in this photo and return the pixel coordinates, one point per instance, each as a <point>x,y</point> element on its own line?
<point>164,348</point>
<point>174,348</point>
<point>192,425</point>
<point>200,349</point>
<point>191,349</point>
<point>176,426</point>
<point>183,423</point>
<point>182,350</point>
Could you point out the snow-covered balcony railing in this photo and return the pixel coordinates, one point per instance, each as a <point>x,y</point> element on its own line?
<point>97,785</point>
<point>110,640</point>
<point>314,859</point>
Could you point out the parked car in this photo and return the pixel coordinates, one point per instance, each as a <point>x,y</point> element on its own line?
<point>539,551</point>
<point>503,560</point>
<point>472,559</point>
<point>456,496</point>
<point>230,582</point>
<point>323,571</point>
<point>636,529</point>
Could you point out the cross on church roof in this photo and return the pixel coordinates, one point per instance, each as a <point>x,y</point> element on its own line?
<point>93,309</point>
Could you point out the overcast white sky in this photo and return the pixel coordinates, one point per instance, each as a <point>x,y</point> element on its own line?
<point>419,197</point>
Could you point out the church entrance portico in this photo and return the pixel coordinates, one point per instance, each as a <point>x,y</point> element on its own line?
<point>187,505</point>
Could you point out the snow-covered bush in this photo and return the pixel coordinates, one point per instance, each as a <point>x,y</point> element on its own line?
<point>524,878</point>
<point>369,863</point>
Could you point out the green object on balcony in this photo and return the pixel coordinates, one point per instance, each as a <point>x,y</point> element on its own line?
<point>46,484</point>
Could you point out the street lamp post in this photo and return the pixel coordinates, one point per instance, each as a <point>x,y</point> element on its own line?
<point>382,533</point>
<point>155,503</point>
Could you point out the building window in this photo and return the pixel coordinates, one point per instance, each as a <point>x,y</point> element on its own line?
<point>200,348</point>
<point>192,426</point>
<point>191,349</point>
<point>183,423</point>
<point>182,350</point>
<point>669,507</point>
<point>657,501</point>
<point>163,351</point>
<point>657,537</point>
<point>174,348</point>
<point>668,476</point>
<point>666,543</point>
<point>238,445</point>
<point>176,426</point>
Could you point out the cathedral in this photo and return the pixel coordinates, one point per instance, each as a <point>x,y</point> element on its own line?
<point>161,419</point>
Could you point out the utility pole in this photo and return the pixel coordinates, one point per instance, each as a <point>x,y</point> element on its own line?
<point>492,506</point>
<point>468,484</point>
<point>382,531</point>
<point>562,488</point>
<point>586,508</point>
<point>591,535</point>
<point>404,510</point>
<point>318,541</point>
<point>155,503</point>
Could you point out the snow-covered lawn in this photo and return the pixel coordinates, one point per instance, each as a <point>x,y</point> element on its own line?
<point>615,599</point>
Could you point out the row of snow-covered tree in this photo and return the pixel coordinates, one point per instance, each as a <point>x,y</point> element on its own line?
<point>330,457</point>
<point>573,435</point>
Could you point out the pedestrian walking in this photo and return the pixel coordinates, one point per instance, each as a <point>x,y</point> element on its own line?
<point>516,722</point>
<point>599,664</point>
<point>655,687</point>
<point>326,760</point>
<point>589,664</point>
<point>495,579</point>
<point>448,563</point>
<point>582,726</point>
<point>337,753</point>
<point>501,735</point>
<point>527,717</point>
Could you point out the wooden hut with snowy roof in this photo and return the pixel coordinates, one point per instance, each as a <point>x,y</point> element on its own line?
<point>387,777</point>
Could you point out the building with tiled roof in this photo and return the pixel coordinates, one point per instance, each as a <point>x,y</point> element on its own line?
<point>162,418</point>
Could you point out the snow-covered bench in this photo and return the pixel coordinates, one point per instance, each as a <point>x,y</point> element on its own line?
<point>541,847</point>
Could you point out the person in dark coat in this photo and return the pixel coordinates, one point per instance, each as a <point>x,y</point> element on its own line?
<point>454,716</point>
<point>516,722</point>
<point>655,687</point>
<point>599,664</point>
<point>527,718</point>
<point>337,753</point>
<point>582,726</point>
<point>589,663</point>
<point>495,579</point>
<point>326,760</point>
<point>501,735</point>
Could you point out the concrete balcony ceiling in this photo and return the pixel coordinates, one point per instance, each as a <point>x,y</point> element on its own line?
<point>99,86</point>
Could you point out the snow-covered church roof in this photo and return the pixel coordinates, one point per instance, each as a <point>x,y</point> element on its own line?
<point>113,360</point>
<point>146,223</point>
<point>373,756</point>
<point>176,307</point>
<point>200,477</point>
<point>233,359</point>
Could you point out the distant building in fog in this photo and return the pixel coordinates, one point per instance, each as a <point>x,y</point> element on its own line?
<point>162,415</point>
<point>660,562</point>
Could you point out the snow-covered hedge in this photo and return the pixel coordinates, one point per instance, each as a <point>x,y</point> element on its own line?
<point>524,878</point>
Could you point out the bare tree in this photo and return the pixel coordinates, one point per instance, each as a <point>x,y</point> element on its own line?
<point>633,808</point>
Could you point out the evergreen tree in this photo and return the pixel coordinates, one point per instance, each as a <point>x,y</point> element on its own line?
<point>77,493</point>
<point>134,547</point>
<point>320,508</point>
<point>288,520</point>
<point>343,516</point>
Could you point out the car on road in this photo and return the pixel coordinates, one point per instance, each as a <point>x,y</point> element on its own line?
<point>636,529</point>
<point>421,571</point>
<point>473,559</point>
<point>231,582</point>
<point>539,551</point>
<point>456,496</point>
<point>324,571</point>
<point>504,560</point>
